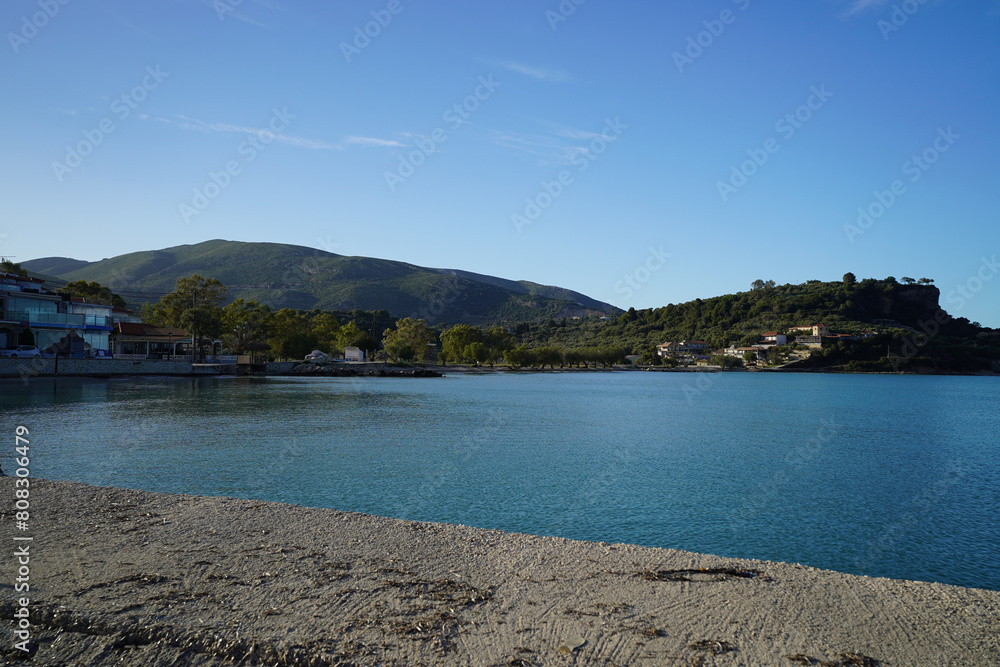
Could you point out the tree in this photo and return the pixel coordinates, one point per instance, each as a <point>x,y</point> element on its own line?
<point>7,266</point>
<point>93,292</point>
<point>548,356</point>
<point>724,361</point>
<point>396,348</point>
<point>749,357</point>
<point>195,305</point>
<point>609,356</point>
<point>908,281</point>
<point>849,279</point>
<point>574,358</point>
<point>477,352</point>
<point>351,335</point>
<point>409,333</point>
<point>925,281</point>
<point>246,324</point>
<point>457,339</point>
<point>291,334</point>
<point>325,327</point>
<point>498,339</point>
<point>519,357</point>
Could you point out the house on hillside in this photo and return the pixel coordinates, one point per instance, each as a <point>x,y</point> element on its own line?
<point>673,348</point>
<point>774,338</point>
<point>812,329</point>
<point>739,352</point>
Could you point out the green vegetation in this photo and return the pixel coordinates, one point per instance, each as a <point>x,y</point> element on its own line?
<point>194,305</point>
<point>408,341</point>
<point>305,279</point>
<point>246,326</point>
<point>913,333</point>
<point>846,306</point>
<point>7,266</point>
<point>897,326</point>
<point>93,292</point>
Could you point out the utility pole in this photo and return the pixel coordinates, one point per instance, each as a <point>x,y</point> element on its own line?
<point>194,322</point>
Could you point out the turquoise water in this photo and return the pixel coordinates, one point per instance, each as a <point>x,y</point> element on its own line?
<point>894,476</point>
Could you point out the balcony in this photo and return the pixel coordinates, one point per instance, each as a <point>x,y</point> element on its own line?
<point>77,321</point>
<point>97,321</point>
<point>61,319</point>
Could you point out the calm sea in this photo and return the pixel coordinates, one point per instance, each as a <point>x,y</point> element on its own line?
<point>895,476</point>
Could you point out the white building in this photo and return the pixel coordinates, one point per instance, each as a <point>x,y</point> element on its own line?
<point>774,338</point>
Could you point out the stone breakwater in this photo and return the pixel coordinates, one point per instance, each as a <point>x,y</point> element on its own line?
<point>28,368</point>
<point>355,370</point>
<point>32,368</point>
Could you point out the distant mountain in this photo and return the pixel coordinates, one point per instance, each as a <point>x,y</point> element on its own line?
<point>526,287</point>
<point>290,276</point>
<point>55,266</point>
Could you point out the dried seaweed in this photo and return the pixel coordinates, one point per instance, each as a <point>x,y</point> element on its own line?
<point>716,646</point>
<point>702,574</point>
<point>842,660</point>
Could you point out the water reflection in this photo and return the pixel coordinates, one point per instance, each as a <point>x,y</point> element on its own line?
<point>833,471</point>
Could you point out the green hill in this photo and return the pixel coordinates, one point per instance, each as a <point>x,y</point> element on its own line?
<point>289,276</point>
<point>913,332</point>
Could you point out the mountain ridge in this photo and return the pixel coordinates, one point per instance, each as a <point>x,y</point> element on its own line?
<point>291,276</point>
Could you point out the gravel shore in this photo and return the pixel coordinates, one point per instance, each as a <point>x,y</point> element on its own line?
<point>135,578</point>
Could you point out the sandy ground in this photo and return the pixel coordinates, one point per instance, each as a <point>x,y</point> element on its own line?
<point>134,578</point>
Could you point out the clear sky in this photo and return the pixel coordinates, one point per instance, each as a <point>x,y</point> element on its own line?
<point>642,152</point>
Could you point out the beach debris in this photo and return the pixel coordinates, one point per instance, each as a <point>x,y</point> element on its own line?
<point>651,632</point>
<point>577,613</point>
<point>571,643</point>
<point>716,646</point>
<point>701,574</point>
<point>842,660</point>
<point>138,579</point>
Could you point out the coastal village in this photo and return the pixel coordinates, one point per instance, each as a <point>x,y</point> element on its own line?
<point>772,346</point>
<point>37,320</point>
<point>35,315</point>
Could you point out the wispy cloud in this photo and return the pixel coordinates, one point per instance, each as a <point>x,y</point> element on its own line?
<point>859,6</point>
<point>540,73</point>
<point>128,24</point>
<point>187,123</point>
<point>548,149</point>
<point>862,6</point>
<point>227,10</point>
<point>371,141</point>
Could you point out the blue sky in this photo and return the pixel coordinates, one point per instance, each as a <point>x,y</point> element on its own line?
<point>638,152</point>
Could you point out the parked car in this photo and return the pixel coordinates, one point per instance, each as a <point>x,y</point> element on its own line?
<point>99,354</point>
<point>317,355</point>
<point>22,352</point>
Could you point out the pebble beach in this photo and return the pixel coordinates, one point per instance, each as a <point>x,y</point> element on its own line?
<point>126,577</point>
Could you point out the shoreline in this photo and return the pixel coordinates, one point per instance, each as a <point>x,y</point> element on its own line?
<point>30,369</point>
<point>131,577</point>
